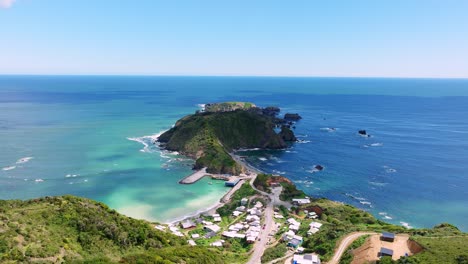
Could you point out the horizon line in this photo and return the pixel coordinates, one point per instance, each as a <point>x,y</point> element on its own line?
<point>223,75</point>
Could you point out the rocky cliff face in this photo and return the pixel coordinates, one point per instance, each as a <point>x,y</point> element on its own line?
<point>209,137</point>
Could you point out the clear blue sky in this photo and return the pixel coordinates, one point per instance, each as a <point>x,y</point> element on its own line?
<point>407,38</point>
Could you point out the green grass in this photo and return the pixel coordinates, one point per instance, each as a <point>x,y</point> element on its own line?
<point>78,230</point>
<point>275,252</point>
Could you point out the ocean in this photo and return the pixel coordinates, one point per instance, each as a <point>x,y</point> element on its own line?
<point>91,136</point>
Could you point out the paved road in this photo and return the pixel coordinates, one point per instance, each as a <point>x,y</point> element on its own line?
<point>345,243</point>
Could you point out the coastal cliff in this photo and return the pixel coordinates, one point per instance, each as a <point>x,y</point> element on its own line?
<point>209,136</point>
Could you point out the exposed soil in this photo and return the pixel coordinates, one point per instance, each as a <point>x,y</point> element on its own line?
<point>369,251</point>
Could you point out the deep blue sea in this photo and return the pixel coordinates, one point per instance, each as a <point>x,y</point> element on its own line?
<point>90,136</point>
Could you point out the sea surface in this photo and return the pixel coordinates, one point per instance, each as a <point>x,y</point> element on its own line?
<point>92,136</point>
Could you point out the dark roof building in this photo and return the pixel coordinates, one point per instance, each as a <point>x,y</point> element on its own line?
<point>385,252</point>
<point>387,237</point>
<point>232,183</point>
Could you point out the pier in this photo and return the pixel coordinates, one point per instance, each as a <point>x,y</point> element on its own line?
<point>194,177</point>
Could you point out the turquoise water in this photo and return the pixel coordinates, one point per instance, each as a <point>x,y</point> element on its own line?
<point>87,136</point>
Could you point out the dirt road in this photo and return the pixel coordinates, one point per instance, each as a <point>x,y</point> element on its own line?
<point>345,243</point>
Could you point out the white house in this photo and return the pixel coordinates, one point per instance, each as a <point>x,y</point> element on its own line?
<point>306,259</point>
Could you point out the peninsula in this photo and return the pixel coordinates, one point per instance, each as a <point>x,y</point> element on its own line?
<point>210,135</point>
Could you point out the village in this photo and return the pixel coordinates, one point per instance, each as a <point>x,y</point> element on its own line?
<point>245,225</point>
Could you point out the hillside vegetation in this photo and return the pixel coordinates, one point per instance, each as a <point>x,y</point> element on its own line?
<point>78,230</point>
<point>209,137</point>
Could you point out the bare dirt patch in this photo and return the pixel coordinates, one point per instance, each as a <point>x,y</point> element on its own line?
<point>369,252</point>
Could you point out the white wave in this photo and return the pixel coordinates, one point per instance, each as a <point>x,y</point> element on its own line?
<point>388,217</point>
<point>144,140</point>
<point>201,106</point>
<point>9,168</point>
<point>24,160</point>
<point>365,202</point>
<point>300,141</point>
<point>279,172</point>
<point>383,213</point>
<point>373,145</point>
<point>405,224</point>
<point>38,180</point>
<point>328,129</point>
<point>262,158</point>
<point>270,164</point>
<point>380,184</point>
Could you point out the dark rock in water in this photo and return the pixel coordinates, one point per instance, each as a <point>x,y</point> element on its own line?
<point>318,167</point>
<point>292,117</point>
<point>363,133</point>
<point>287,135</point>
<point>271,111</point>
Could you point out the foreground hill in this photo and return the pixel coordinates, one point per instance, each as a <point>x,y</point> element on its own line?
<point>208,137</point>
<point>78,230</point>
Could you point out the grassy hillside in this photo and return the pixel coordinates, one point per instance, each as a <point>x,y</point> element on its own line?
<point>208,137</point>
<point>78,230</point>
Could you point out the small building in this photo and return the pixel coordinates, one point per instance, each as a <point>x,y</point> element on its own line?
<point>385,252</point>
<point>217,243</point>
<point>195,236</point>
<point>241,208</point>
<point>236,213</point>
<point>389,237</point>
<point>231,183</point>
<point>212,228</point>
<point>306,259</point>
<point>301,201</point>
<point>217,219</point>
<point>300,250</point>
<point>187,224</point>
<point>244,202</point>
<point>210,235</point>
<point>294,243</point>
<point>191,242</point>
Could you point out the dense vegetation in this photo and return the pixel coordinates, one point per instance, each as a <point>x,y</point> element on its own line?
<point>78,230</point>
<point>228,106</point>
<point>209,137</point>
<point>275,252</point>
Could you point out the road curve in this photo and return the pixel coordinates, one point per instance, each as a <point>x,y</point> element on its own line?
<point>345,243</point>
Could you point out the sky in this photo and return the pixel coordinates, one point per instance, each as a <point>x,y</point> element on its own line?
<point>359,38</point>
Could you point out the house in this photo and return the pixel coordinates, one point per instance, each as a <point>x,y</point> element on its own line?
<point>217,219</point>
<point>244,201</point>
<point>288,235</point>
<point>294,227</point>
<point>389,237</point>
<point>187,224</point>
<point>212,228</point>
<point>191,242</point>
<point>385,252</point>
<point>251,239</point>
<point>312,231</point>
<point>240,208</point>
<point>306,259</point>
<point>294,243</point>
<point>252,218</point>
<point>236,213</point>
<point>195,236</point>
<point>301,201</point>
<point>300,250</point>
<point>258,205</point>
<point>233,234</point>
<point>210,235</point>
<point>293,221</point>
<point>218,243</point>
